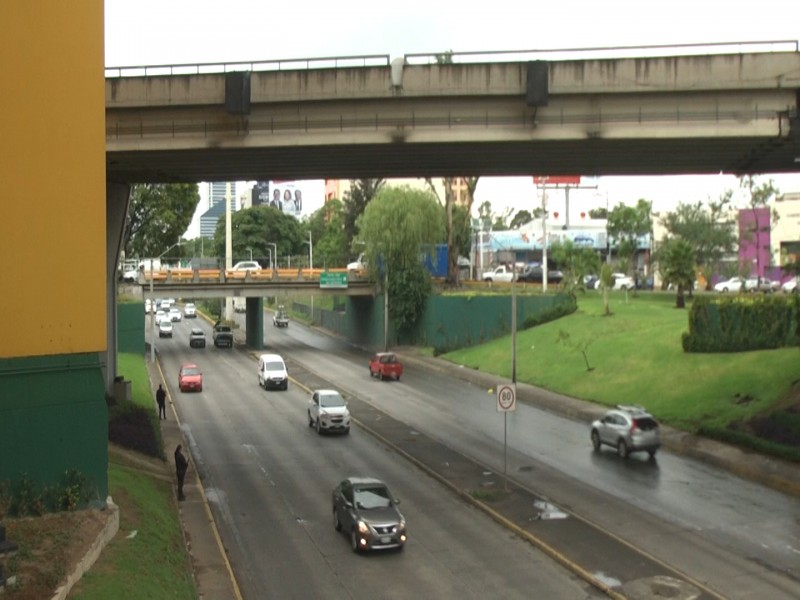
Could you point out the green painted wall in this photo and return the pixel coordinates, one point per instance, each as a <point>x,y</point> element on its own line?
<point>130,327</point>
<point>53,418</point>
<point>448,322</point>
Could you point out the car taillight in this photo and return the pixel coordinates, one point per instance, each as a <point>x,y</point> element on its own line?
<point>634,427</point>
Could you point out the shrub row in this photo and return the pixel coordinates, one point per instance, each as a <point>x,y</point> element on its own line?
<point>135,428</point>
<point>742,323</point>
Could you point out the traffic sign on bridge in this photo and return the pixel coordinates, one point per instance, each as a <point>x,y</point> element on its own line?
<point>332,280</point>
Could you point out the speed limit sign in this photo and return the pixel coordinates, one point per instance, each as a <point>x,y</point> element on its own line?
<point>506,398</point>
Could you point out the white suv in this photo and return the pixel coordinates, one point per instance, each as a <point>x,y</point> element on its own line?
<point>327,411</point>
<point>628,429</point>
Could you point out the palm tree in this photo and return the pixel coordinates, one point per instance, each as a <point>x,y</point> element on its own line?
<point>678,265</point>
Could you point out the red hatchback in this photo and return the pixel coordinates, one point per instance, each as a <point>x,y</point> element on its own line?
<point>190,378</point>
<point>385,364</point>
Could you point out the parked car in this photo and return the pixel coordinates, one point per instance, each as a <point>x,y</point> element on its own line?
<point>533,274</point>
<point>190,378</point>
<point>590,281</point>
<point>385,365</point>
<point>189,310</point>
<point>272,372</point>
<point>327,411</point>
<point>790,287</point>
<point>165,327</point>
<point>760,284</point>
<point>628,429</point>
<point>197,338</point>
<point>623,282</point>
<point>367,511</point>
<point>734,284</point>
<point>175,314</point>
<point>247,265</point>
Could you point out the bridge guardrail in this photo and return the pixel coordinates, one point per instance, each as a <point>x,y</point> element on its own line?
<point>224,276</point>
<point>384,60</point>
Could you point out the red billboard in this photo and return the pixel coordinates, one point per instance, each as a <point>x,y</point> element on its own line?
<point>557,180</point>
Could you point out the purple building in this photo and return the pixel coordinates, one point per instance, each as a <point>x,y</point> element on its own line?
<point>754,241</point>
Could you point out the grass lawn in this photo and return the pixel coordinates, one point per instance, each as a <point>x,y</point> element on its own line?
<point>637,358</point>
<point>147,558</point>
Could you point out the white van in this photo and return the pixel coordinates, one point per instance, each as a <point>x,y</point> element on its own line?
<point>272,372</point>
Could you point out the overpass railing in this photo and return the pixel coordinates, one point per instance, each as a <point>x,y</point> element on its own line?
<point>231,276</point>
<point>284,64</point>
<point>383,60</point>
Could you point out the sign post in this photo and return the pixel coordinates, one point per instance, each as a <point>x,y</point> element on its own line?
<point>506,402</point>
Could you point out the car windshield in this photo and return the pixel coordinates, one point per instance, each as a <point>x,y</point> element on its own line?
<point>372,497</point>
<point>166,324</point>
<point>274,365</point>
<point>197,332</point>
<point>331,400</point>
<point>191,371</point>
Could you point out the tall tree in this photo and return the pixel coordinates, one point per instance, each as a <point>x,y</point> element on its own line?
<point>453,223</point>
<point>627,224</point>
<point>327,235</point>
<point>398,225</point>
<point>361,192</point>
<point>158,216</point>
<point>523,217</point>
<point>678,267</point>
<point>256,229</point>
<point>598,213</point>
<point>707,227</point>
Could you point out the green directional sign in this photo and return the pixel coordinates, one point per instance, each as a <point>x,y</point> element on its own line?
<point>332,280</point>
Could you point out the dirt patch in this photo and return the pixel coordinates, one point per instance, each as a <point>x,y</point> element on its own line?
<point>50,547</point>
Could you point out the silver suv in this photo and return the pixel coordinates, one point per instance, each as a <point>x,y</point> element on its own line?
<point>628,429</point>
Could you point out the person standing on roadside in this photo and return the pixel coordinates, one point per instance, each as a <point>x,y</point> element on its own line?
<point>181,465</point>
<point>161,398</point>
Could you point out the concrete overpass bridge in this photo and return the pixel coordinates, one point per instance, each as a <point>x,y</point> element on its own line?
<point>734,111</point>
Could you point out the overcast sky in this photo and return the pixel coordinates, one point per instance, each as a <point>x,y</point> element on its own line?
<point>168,32</point>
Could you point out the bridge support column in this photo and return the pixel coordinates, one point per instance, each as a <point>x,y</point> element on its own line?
<point>118,197</point>
<point>254,323</point>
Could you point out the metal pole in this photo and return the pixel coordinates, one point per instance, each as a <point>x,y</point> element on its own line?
<point>544,236</point>
<point>152,317</point>
<point>386,311</point>
<point>310,252</point>
<point>505,451</point>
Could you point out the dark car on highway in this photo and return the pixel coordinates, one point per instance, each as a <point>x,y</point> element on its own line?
<point>533,274</point>
<point>366,510</point>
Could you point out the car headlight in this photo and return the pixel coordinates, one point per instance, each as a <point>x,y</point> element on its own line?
<point>362,527</point>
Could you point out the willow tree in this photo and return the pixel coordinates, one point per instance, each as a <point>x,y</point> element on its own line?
<point>397,227</point>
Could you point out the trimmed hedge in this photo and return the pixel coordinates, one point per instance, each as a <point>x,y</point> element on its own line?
<point>742,323</point>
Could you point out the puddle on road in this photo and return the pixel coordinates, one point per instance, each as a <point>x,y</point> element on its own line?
<point>607,579</point>
<point>548,511</point>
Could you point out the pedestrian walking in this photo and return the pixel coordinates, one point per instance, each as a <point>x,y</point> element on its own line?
<point>161,398</point>
<point>181,465</point>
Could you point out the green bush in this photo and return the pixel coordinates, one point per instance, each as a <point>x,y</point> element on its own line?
<point>556,312</point>
<point>742,323</point>
<point>136,428</point>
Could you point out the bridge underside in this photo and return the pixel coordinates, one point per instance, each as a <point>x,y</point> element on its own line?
<point>588,157</point>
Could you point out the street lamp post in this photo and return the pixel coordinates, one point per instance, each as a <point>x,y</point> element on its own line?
<point>251,253</point>
<point>310,251</point>
<point>273,264</point>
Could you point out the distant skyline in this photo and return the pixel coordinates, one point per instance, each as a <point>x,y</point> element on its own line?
<point>152,32</point>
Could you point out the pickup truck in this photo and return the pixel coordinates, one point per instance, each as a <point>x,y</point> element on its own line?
<point>501,273</point>
<point>222,335</point>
